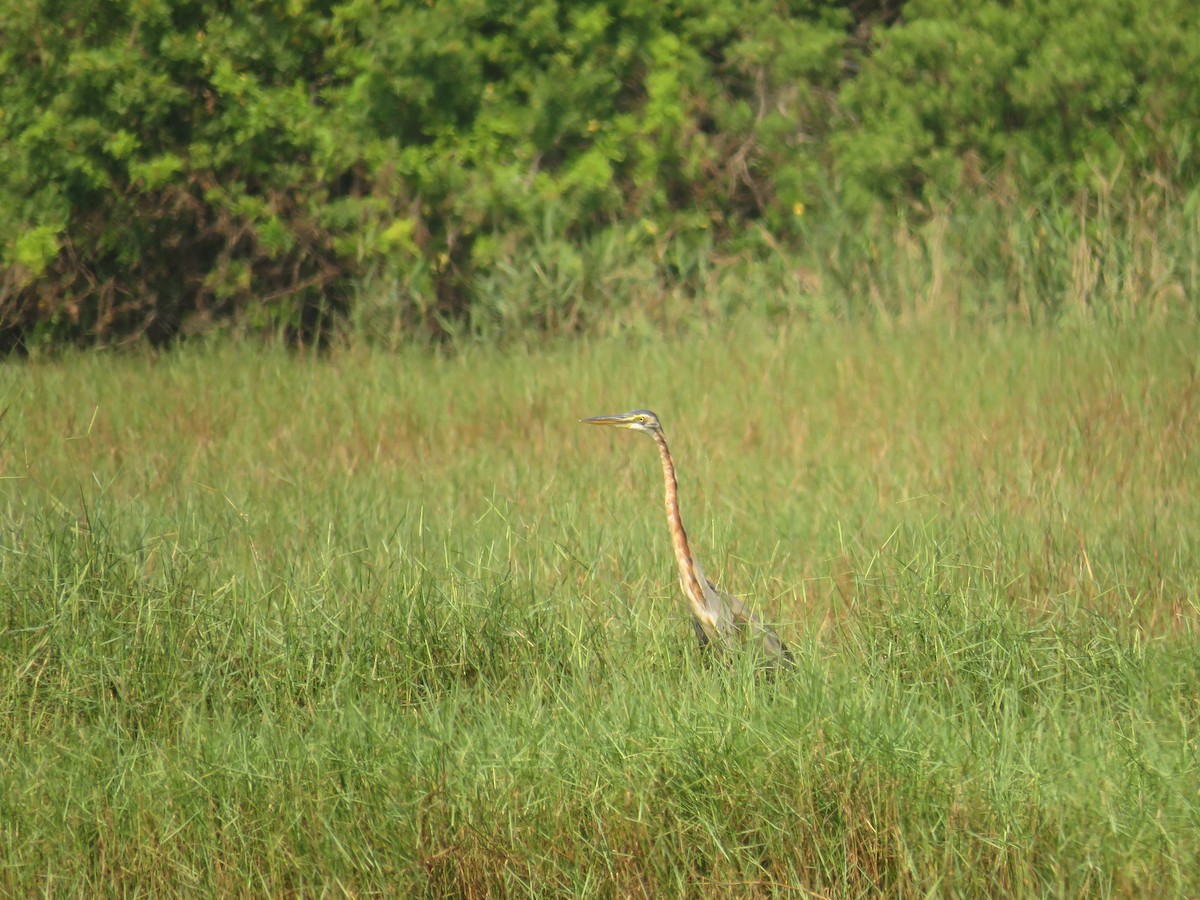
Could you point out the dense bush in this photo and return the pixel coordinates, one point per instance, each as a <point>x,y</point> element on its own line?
<point>166,164</point>
<point>498,123</point>
<point>1072,94</point>
<point>165,167</point>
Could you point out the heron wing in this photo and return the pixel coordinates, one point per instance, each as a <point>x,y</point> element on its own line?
<point>734,616</point>
<point>716,604</point>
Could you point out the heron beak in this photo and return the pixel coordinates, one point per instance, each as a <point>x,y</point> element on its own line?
<point>605,420</point>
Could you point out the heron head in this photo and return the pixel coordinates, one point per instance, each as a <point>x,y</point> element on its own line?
<point>638,420</point>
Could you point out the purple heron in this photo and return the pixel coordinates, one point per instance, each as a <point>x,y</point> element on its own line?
<point>718,617</point>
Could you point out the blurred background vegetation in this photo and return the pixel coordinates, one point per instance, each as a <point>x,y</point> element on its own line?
<point>404,169</point>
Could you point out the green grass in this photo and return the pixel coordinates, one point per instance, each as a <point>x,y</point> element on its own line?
<point>395,623</point>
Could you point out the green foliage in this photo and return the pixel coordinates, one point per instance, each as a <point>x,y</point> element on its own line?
<point>166,166</point>
<point>497,119</point>
<point>1070,94</point>
<point>181,158</point>
<point>167,169</point>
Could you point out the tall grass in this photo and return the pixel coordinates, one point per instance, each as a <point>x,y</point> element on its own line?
<point>390,623</point>
<point>995,256</point>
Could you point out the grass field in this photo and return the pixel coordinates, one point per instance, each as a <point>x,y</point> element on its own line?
<point>396,623</point>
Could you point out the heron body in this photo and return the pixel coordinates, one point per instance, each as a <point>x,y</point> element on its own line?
<point>719,618</point>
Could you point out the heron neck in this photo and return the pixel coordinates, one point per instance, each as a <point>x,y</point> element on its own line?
<point>679,541</point>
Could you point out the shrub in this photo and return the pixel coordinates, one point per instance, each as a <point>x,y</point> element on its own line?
<point>167,168</point>
<point>166,162</point>
<point>168,165</point>
<point>1070,94</point>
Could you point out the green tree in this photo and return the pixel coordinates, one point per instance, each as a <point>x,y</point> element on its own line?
<point>1065,91</point>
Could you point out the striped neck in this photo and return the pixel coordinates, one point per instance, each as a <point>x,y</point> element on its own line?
<point>679,541</point>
